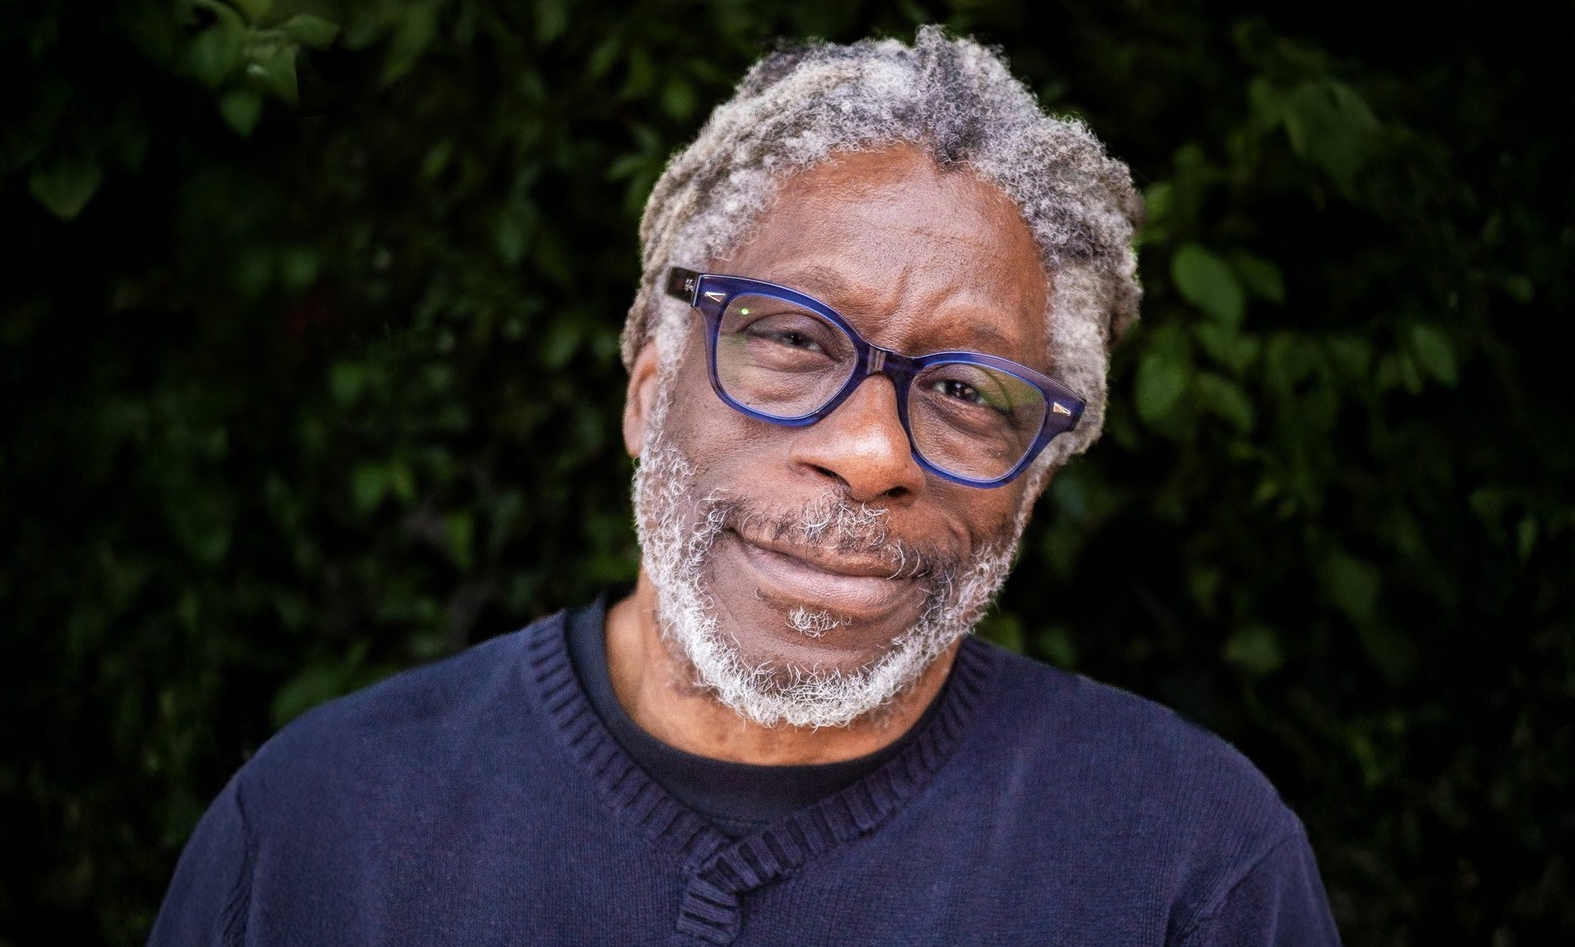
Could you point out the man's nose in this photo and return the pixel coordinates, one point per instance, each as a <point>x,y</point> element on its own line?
<point>863,446</point>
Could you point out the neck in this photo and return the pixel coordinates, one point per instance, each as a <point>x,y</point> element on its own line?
<point>657,690</point>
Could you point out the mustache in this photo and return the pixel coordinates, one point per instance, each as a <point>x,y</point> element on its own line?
<point>830,523</point>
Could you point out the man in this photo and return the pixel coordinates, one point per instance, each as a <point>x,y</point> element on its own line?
<point>878,297</point>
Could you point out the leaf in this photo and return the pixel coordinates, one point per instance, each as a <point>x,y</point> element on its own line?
<point>1204,583</point>
<point>1266,102</point>
<point>1525,537</point>
<point>1433,354</point>
<point>602,58</point>
<point>1227,345</point>
<point>215,54</point>
<point>1159,387</point>
<point>254,10</point>
<point>1157,204</point>
<point>678,98</point>
<point>1387,647</point>
<point>1205,281</point>
<point>1398,369</point>
<point>460,530</point>
<point>203,523</point>
<point>1255,649</point>
<point>1261,277</point>
<point>1164,371</point>
<point>65,188</point>
<point>438,158</point>
<point>509,238</point>
<point>368,485</point>
<point>1062,545</point>
<point>1520,289</point>
<point>1224,399</point>
<point>310,31</point>
<point>1288,360</point>
<point>1350,584</point>
<point>552,18</point>
<point>1080,496</point>
<point>560,345</point>
<point>241,108</point>
<point>1059,646</point>
<point>1490,504</point>
<point>1351,356</point>
<point>298,266</point>
<point>641,76</point>
<point>401,481</point>
<point>271,68</point>
<point>1330,125</point>
<point>416,30</point>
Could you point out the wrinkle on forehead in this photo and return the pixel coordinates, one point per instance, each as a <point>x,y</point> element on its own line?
<point>888,238</point>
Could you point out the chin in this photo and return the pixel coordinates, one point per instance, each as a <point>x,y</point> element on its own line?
<point>774,689</point>
<point>805,674</point>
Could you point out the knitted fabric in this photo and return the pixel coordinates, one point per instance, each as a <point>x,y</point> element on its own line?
<point>481,800</point>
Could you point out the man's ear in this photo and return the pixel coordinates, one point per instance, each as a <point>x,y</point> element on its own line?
<point>641,399</point>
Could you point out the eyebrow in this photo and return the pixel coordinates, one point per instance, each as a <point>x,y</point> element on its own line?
<point>825,283</point>
<point>818,281</point>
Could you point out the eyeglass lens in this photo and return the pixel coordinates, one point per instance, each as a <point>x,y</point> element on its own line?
<point>784,361</point>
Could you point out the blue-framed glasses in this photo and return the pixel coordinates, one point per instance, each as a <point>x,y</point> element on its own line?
<point>780,356</point>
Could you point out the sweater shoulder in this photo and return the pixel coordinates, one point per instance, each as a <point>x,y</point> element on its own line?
<point>1074,759</point>
<point>437,718</point>
<point>1109,738</point>
<point>433,694</point>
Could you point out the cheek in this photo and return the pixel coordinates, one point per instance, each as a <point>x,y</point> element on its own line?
<point>987,518</point>
<point>713,437</point>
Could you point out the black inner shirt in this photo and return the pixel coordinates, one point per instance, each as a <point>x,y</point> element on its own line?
<point>738,798</point>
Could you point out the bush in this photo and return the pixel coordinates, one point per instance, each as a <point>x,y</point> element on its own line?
<point>310,374</point>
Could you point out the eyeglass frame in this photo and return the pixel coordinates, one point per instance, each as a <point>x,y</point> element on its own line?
<point>709,294</point>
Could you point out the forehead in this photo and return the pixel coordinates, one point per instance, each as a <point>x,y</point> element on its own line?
<point>920,258</point>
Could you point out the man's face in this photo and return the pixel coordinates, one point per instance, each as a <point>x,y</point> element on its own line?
<point>809,574</point>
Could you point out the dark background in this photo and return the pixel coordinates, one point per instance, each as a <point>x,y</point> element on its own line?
<point>308,373</point>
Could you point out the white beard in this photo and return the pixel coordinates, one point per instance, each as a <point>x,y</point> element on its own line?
<point>677,529</point>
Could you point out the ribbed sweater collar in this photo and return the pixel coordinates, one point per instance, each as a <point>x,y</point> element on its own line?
<point>720,869</point>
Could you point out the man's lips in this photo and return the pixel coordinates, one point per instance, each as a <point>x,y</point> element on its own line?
<point>860,587</point>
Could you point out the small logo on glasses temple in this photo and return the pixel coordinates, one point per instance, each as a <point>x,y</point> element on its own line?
<point>1059,408</point>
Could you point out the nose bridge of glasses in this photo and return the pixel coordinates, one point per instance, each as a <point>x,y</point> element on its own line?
<point>894,365</point>
<point>898,368</point>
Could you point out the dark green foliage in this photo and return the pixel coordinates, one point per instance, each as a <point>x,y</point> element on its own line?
<point>308,373</point>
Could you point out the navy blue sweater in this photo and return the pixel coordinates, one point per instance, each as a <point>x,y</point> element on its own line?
<point>481,800</point>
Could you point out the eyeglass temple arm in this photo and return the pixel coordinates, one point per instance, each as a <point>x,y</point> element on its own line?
<point>683,284</point>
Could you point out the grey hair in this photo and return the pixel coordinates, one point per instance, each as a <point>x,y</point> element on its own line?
<point>955,99</point>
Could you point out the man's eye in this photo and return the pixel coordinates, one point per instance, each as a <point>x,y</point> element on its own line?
<point>972,394</point>
<point>962,391</point>
<point>787,331</point>
<point>787,337</point>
